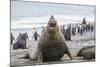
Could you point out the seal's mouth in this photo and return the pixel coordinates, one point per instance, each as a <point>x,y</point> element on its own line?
<point>52,27</point>
<point>52,24</point>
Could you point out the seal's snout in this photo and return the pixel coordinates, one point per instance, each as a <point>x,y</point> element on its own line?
<point>52,22</point>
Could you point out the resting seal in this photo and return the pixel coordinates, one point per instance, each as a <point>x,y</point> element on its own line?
<point>21,41</point>
<point>87,52</point>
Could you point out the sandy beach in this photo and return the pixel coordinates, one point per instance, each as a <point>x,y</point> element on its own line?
<point>78,41</point>
<point>28,17</point>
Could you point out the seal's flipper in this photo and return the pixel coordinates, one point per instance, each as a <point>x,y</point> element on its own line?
<point>68,53</point>
<point>40,57</point>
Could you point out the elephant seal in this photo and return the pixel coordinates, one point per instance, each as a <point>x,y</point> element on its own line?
<point>52,45</point>
<point>18,35</point>
<point>21,41</point>
<point>87,52</point>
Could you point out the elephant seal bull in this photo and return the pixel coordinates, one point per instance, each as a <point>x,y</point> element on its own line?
<point>87,52</point>
<point>52,45</point>
<point>21,41</point>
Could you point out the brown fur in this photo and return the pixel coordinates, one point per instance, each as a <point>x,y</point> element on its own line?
<point>52,45</point>
<point>87,52</point>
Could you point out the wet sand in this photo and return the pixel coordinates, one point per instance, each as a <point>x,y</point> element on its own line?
<point>78,41</point>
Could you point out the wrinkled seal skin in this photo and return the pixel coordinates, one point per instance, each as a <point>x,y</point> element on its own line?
<point>87,52</point>
<point>52,45</point>
<point>21,41</point>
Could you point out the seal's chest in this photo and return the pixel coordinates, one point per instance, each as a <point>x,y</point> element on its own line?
<point>53,51</point>
<point>53,46</point>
